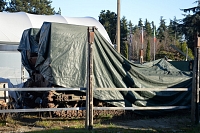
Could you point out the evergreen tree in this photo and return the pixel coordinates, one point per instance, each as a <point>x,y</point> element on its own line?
<point>42,7</point>
<point>124,29</point>
<point>140,23</point>
<point>59,11</point>
<point>190,25</point>
<point>153,26</point>
<point>135,28</point>
<point>147,28</point>
<point>148,53</point>
<point>124,47</point>
<point>130,27</point>
<point>109,20</point>
<point>161,29</point>
<point>172,33</point>
<point>123,37</point>
<point>2,5</point>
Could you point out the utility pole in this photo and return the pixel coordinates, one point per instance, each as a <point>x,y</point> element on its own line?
<point>141,50</point>
<point>118,26</point>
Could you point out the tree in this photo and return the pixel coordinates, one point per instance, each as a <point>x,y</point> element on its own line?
<point>190,25</point>
<point>109,20</point>
<point>136,42</point>
<point>135,28</point>
<point>161,29</point>
<point>147,28</point>
<point>2,5</point>
<point>130,39</point>
<point>140,23</point>
<point>42,7</point>
<point>123,37</point>
<point>59,11</point>
<point>130,27</point>
<point>153,26</point>
<point>148,53</point>
<point>174,31</point>
<point>186,50</point>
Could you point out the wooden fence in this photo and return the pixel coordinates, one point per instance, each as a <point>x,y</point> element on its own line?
<point>89,112</point>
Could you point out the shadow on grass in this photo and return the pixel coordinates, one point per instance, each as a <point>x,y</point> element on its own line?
<point>135,123</point>
<point>95,130</point>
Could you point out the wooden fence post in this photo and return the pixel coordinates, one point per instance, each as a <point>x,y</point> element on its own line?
<point>89,91</point>
<point>195,84</point>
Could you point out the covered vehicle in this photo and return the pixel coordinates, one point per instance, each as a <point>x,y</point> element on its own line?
<point>58,53</point>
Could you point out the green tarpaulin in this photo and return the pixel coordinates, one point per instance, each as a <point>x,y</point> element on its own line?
<point>62,60</point>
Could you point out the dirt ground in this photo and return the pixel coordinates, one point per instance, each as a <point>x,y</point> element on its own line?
<point>173,122</point>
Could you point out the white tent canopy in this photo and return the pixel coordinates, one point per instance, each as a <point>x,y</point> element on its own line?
<point>12,25</point>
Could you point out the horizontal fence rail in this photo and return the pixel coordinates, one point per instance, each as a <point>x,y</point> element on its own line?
<point>40,89</point>
<point>103,89</point>
<point>141,108</point>
<point>39,110</point>
<point>145,89</point>
<point>94,108</point>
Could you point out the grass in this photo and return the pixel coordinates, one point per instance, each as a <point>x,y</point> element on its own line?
<point>98,128</point>
<point>105,124</point>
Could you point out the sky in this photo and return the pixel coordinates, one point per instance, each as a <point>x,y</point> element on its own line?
<point>133,10</point>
